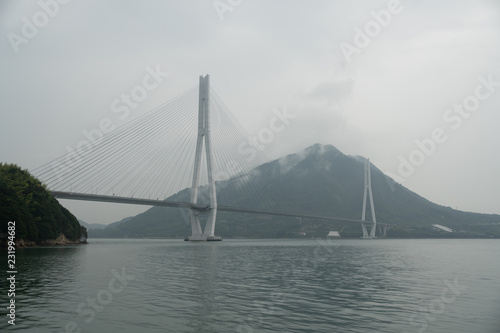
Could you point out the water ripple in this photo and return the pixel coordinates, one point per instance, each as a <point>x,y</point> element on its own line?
<point>259,286</point>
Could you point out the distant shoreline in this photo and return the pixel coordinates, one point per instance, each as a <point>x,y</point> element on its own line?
<point>62,240</point>
<point>297,238</point>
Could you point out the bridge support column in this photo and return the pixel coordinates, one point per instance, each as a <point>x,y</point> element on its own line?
<point>382,229</point>
<point>368,192</point>
<point>203,137</point>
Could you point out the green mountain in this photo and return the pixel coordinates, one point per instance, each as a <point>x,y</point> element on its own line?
<point>91,225</point>
<point>319,180</point>
<point>38,215</point>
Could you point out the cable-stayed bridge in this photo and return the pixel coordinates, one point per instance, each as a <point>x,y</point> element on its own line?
<point>191,142</point>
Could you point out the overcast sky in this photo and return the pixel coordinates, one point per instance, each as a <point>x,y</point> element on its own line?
<point>369,77</point>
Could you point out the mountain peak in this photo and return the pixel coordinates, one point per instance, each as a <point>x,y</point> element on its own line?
<point>319,180</point>
<point>320,149</point>
<point>287,162</point>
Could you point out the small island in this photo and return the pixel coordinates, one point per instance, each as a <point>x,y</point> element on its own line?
<point>39,218</point>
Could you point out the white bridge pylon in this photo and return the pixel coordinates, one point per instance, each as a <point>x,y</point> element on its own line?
<point>368,191</point>
<point>203,137</point>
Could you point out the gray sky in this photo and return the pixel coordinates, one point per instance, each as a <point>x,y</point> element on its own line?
<point>369,77</point>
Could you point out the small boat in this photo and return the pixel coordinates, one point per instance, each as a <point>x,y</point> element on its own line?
<point>333,234</point>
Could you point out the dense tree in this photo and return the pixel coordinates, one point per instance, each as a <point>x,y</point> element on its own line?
<point>37,213</point>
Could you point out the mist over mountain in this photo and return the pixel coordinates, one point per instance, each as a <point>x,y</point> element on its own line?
<point>92,225</point>
<point>103,226</point>
<point>319,180</point>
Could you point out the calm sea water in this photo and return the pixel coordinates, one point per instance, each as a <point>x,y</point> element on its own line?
<point>258,286</point>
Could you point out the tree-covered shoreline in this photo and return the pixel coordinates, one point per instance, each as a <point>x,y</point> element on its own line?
<point>39,216</point>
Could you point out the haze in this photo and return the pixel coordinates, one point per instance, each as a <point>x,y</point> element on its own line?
<point>414,85</point>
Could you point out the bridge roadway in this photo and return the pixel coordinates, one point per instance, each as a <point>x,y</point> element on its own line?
<point>199,207</point>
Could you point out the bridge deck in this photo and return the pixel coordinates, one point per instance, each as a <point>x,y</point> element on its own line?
<point>201,207</point>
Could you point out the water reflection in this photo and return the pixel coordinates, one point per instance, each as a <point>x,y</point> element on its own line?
<point>46,277</point>
<point>260,286</point>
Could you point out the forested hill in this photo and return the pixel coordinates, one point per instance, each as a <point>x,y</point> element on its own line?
<point>39,217</point>
<point>319,180</point>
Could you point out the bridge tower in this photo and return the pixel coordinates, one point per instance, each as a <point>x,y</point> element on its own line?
<point>368,191</point>
<point>203,137</point>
